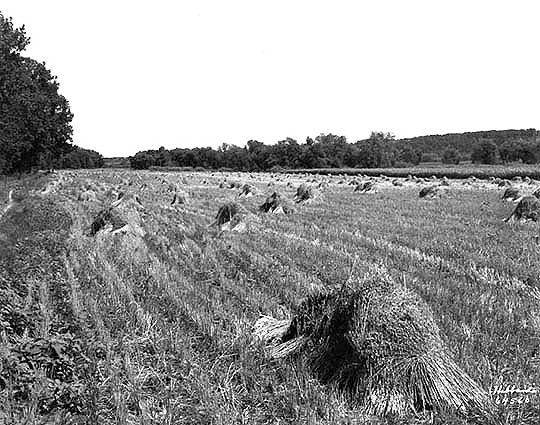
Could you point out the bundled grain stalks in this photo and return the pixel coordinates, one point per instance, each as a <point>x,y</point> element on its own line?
<point>231,216</point>
<point>247,190</point>
<point>87,196</point>
<point>15,198</point>
<point>128,199</point>
<point>51,187</point>
<point>365,187</point>
<point>322,185</point>
<point>511,194</point>
<point>122,216</point>
<point>528,208</point>
<point>377,342</point>
<point>239,223</point>
<point>274,204</point>
<point>112,193</point>
<point>105,218</point>
<point>431,192</point>
<point>304,193</point>
<point>170,187</point>
<point>179,198</point>
<point>226,213</point>
<point>397,182</point>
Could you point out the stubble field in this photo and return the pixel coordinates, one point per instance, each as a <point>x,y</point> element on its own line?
<point>157,320</point>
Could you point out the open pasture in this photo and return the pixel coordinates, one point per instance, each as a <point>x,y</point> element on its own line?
<point>165,310</point>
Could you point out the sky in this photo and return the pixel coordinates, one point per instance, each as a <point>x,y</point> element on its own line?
<point>144,74</point>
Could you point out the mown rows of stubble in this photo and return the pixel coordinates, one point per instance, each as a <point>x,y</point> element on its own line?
<point>173,312</point>
<point>461,171</point>
<point>479,289</point>
<point>169,315</point>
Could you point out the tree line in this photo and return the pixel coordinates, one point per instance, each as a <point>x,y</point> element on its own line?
<point>326,150</point>
<point>380,150</point>
<point>35,120</point>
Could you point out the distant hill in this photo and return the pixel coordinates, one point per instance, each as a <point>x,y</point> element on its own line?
<point>464,142</point>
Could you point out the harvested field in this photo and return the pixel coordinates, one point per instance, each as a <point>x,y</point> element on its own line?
<point>156,325</point>
<point>438,170</point>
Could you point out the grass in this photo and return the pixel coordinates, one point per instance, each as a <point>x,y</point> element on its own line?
<point>158,327</point>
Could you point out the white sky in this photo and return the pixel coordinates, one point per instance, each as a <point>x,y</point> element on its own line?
<point>140,75</point>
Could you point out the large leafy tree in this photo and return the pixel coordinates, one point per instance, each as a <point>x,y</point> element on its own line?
<point>35,120</point>
<point>334,148</point>
<point>377,151</point>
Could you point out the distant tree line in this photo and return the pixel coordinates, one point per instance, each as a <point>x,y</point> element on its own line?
<point>35,120</point>
<point>380,150</point>
<point>326,150</point>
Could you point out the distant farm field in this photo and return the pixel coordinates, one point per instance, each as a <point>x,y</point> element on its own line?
<point>461,171</point>
<point>160,316</point>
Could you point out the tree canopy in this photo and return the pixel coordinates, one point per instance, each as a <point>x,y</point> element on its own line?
<point>35,120</point>
<point>485,152</point>
<point>451,156</point>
